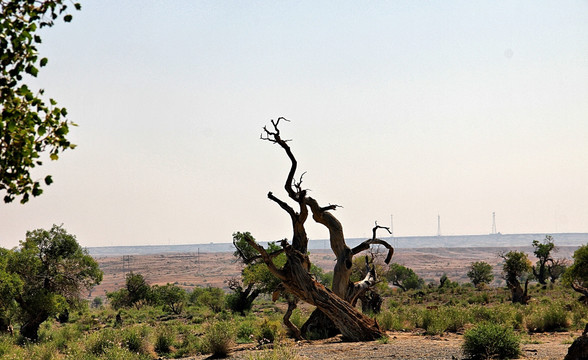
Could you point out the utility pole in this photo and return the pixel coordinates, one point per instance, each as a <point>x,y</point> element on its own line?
<point>438,225</point>
<point>494,223</point>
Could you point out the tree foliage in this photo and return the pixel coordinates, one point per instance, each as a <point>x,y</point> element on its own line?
<point>136,292</point>
<point>53,270</point>
<point>28,125</point>
<point>10,286</point>
<point>480,273</point>
<point>517,268</point>
<point>542,251</point>
<point>170,296</point>
<point>256,278</point>
<point>403,277</point>
<point>576,275</point>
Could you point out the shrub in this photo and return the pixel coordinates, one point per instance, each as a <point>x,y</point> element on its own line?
<point>389,321</point>
<point>268,331</point>
<point>489,341</point>
<point>99,342</point>
<point>164,340</point>
<point>219,337</point>
<point>548,318</point>
<point>45,351</point>
<point>245,332</point>
<point>66,336</point>
<point>298,318</point>
<point>134,340</point>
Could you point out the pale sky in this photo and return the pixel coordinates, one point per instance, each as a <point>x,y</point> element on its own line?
<point>410,108</point>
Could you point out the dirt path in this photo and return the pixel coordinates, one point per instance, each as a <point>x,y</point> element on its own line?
<point>408,346</point>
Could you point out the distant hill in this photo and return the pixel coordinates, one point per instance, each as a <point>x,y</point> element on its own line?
<point>408,242</point>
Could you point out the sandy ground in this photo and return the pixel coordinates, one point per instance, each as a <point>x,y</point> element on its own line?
<point>410,346</point>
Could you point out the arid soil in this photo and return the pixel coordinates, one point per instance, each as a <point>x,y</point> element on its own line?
<point>409,346</point>
<point>213,269</point>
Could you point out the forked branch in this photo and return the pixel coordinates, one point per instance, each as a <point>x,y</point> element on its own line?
<point>375,241</point>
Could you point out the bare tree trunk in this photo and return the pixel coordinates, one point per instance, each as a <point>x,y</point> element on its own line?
<point>519,296</point>
<point>295,277</point>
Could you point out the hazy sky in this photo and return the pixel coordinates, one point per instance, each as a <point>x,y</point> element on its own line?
<point>410,108</point>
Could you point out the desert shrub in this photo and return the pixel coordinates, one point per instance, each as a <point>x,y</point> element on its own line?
<point>45,351</point>
<point>164,340</point>
<point>393,304</point>
<point>245,332</point>
<point>268,331</point>
<point>456,318</point>
<point>211,297</point>
<point>434,322</point>
<point>99,342</point>
<point>219,337</point>
<point>389,321</point>
<point>552,317</point>
<point>482,298</point>
<point>490,341</point>
<point>66,336</point>
<point>191,345</point>
<point>134,339</point>
<point>6,345</point>
<point>9,349</point>
<point>298,318</point>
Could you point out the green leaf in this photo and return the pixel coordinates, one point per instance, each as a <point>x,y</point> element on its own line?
<point>37,191</point>
<point>48,180</point>
<point>78,6</point>
<point>32,70</point>
<point>67,18</point>
<point>54,156</point>
<point>43,62</point>
<point>41,130</point>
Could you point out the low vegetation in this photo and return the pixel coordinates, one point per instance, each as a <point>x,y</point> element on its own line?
<point>206,325</point>
<point>143,321</point>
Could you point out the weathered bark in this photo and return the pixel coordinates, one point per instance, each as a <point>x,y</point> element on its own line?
<point>30,328</point>
<point>294,331</point>
<point>371,301</point>
<point>519,296</point>
<point>579,348</point>
<point>337,304</point>
<point>5,326</point>
<point>244,297</point>
<point>577,286</point>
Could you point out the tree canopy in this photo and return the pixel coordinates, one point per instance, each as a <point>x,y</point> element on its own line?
<point>542,251</point>
<point>516,268</point>
<point>576,275</point>
<point>480,273</point>
<point>29,126</point>
<point>49,271</point>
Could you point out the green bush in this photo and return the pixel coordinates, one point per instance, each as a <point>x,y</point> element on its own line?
<point>552,317</point>
<point>298,318</point>
<point>490,341</point>
<point>99,342</point>
<point>389,321</point>
<point>134,339</point>
<point>164,341</point>
<point>268,331</point>
<point>219,337</point>
<point>245,332</point>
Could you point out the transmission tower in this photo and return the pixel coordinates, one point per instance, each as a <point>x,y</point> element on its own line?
<point>494,223</point>
<point>438,225</point>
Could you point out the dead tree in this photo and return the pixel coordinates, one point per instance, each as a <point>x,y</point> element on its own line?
<point>335,304</point>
